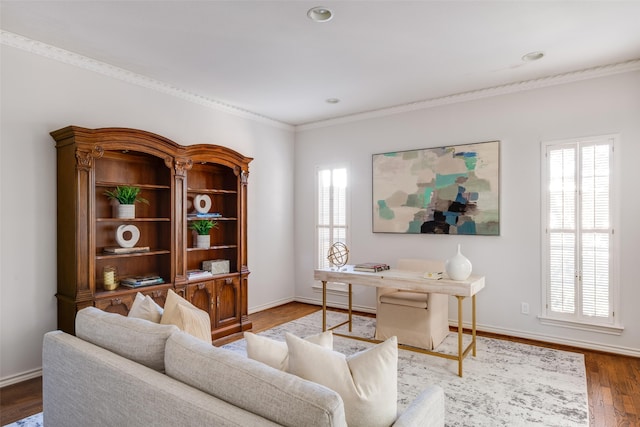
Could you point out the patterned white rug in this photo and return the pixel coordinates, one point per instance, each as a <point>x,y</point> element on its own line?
<point>506,384</point>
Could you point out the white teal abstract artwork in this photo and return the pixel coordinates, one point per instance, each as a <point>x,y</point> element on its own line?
<point>443,190</point>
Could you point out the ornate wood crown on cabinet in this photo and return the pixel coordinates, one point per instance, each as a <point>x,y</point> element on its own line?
<point>170,176</point>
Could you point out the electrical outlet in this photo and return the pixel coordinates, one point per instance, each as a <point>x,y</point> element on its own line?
<point>524,308</point>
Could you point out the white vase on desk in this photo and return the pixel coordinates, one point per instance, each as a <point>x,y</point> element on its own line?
<point>458,267</point>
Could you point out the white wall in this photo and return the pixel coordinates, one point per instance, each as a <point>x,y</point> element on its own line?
<point>40,95</point>
<point>511,261</point>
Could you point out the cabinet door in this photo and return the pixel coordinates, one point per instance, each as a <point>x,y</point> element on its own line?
<point>202,295</point>
<point>120,304</point>
<point>227,301</point>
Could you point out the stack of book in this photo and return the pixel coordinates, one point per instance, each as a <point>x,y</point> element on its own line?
<point>204,215</point>
<point>118,250</point>
<point>140,281</point>
<point>371,267</point>
<point>198,274</point>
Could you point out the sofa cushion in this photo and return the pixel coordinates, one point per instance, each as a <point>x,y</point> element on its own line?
<point>251,385</point>
<point>144,307</point>
<point>275,353</point>
<point>136,339</point>
<point>186,316</point>
<point>367,381</point>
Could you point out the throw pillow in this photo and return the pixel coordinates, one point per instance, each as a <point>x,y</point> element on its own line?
<point>276,353</point>
<point>366,381</point>
<point>144,307</point>
<point>186,316</point>
<point>136,339</point>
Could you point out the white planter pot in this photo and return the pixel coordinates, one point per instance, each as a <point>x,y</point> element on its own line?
<point>458,267</point>
<point>126,211</point>
<point>203,241</point>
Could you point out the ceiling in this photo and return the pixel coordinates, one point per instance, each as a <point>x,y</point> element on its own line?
<point>268,58</point>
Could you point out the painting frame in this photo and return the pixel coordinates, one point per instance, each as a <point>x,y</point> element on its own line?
<point>451,189</point>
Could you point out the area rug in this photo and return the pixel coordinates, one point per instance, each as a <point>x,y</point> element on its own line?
<point>506,384</point>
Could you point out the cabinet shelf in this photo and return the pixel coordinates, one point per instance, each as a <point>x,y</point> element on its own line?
<point>214,277</point>
<point>124,290</point>
<point>212,247</point>
<point>220,218</point>
<point>133,219</point>
<point>142,186</point>
<point>134,254</point>
<point>210,191</point>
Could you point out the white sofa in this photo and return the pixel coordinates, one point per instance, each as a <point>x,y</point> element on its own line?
<point>121,371</point>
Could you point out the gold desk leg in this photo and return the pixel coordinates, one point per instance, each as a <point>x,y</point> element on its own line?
<point>460,355</point>
<point>473,323</point>
<point>324,305</point>
<point>350,312</point>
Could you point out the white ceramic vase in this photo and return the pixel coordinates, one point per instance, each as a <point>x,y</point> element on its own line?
<point>458,267</point>
<point>126,211</point>
<point>203,241</point>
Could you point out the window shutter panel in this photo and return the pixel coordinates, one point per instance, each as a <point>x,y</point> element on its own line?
<point>595,207</point>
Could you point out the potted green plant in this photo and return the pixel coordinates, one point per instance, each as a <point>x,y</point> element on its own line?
<point>126,196</point>
<point>202,228</point>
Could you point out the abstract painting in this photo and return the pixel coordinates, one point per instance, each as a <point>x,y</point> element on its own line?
<point>443,190</point>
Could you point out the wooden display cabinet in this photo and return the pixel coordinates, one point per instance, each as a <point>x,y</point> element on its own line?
<point>170,176</point>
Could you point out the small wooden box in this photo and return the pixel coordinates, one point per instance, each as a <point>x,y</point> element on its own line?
<point>216,266</point>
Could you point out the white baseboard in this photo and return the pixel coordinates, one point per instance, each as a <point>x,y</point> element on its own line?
<point>588,345</point>
<point>258,308</point>
<point>18,378</point>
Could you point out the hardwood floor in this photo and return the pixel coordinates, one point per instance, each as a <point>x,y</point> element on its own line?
<point>613,382</point>
<point>20,400</point>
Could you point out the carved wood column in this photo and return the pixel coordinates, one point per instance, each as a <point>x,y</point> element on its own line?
<point>179,201</point>
<point>244,270</point>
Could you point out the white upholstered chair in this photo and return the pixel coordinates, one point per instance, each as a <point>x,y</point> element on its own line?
<point>418,319</point>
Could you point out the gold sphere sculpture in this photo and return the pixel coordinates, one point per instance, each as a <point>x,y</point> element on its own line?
<point>338,254</point>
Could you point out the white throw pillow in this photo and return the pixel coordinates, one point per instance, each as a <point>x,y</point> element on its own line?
<point>366,381</point>
<point>276,353</point>
<point>186,316</point>
<point>144,307</point>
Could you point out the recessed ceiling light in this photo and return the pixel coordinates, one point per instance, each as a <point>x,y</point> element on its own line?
<point>332,100</point>
<point>532,56</point>
<point>320,14</point>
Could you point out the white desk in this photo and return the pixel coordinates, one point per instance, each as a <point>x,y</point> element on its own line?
<point>410,281</point>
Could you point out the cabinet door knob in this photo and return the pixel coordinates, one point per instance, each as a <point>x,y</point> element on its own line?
<point>116,301</point>
<point>228,280</point>
<point>201,286</point>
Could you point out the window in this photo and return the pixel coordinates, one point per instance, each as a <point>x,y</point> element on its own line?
<point>332,211</point>
<point>578,233</point>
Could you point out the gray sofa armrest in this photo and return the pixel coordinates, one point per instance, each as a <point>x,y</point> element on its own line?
<point>427,410</point>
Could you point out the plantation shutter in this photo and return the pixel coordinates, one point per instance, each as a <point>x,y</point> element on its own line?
<point>332,211</point>
<point>579,229</point>
<point>596,232</point>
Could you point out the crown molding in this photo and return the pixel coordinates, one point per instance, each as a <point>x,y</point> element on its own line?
<point>558,79</point>
<point>48,51</point>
